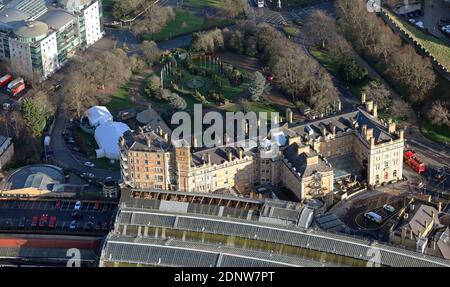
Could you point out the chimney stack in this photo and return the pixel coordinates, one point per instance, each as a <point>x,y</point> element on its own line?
<point>166,137</point>
<point>363,98</point>
<point>209,158</point>
<point>241,153</point>
<point>372,142</point>
<point>392,127</point>
<point>333,129</point>
<point>375,110</point>
<point>369,106</point>
<point>289,115</point>
<point>230,155</point>
<point>324,131</point>
<point>194,141</point>
<point>401,134</point>
<point>439,206</point>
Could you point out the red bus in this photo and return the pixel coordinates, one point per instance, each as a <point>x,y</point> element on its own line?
<point>6,79</point>
<point>411,160</point>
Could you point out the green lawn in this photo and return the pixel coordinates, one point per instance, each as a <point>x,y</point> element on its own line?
<point>120,100</point>
<point>435,46</point>
<point>202,3</point>
<point>186,22</point>
<point>435,133</point>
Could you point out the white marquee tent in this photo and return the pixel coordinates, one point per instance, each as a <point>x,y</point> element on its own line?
<point>98,115</point>
<point>107,137</point>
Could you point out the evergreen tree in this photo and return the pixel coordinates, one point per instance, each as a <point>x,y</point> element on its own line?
<point>35,116</point>
<point>259,87</point>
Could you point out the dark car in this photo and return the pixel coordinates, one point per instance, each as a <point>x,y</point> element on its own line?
<point>88,226</point>
<point>105,226</point>
<point>77,215</point>
<point>98,226</point>
<point>22,222</point>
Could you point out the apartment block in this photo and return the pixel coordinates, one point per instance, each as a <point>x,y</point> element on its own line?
<point>39,36</point>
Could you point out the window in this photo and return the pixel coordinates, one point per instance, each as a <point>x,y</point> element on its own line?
<point>394,174</point>
<point>386,176</point>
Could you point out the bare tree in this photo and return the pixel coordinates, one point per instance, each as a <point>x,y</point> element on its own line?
<point>155,19</point>
<point>439,114</point>
<point>151,52</point>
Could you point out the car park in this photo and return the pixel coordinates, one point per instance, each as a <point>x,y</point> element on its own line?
<point>89,164</point>
<point>77,205</point>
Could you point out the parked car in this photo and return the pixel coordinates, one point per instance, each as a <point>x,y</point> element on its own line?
<point>91,175</point>
<point>88,226</point>
<point>89,164</point>
<point>97,206</point>
<point>73,225</point>
<point>22,222</point>
<point>105,226</point>
<point>34,221</point>
<point>98,226</point>
<point>389,208</point>
<point>43,220</point>
<point>52,222</point>
<point>77,215</point>
<point>412,21</point>
<point>77,205</point>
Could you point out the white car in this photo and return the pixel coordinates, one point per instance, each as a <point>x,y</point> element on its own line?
<point>89,164</point>
<point>420,24</point>
<point>388,208</point>
<point>91,175</point>
<point>412,21</point>
<point>77,205</point>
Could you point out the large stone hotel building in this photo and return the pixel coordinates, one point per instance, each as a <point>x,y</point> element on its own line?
<point>302,162</point>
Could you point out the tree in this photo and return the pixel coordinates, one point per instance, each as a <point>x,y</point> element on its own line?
<point>351,72</point>
<point>208,41</point>
<point>177,102</point>
<point>153,85</point>
<point>151,52</point>
<point>377,92</point>
<point>259,87</point>
<point>121,8</point>
<point>35,116</point>
<point>154,20</point>
<point>439,114</point>
<point>79,96</point>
